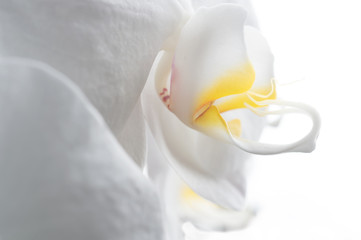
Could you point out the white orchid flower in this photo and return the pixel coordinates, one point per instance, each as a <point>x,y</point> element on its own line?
<point>63,175</point>
<point>205,101</point>
<point>212,64</point>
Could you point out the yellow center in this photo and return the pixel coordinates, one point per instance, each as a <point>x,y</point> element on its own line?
<point>232,92</point>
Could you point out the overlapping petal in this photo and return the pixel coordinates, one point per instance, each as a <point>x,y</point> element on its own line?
<point>62,173</point>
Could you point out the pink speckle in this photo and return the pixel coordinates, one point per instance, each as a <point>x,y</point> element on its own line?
<point>165,97</point>
<point>164,91</point>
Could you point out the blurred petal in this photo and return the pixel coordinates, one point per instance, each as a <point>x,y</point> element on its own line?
<point>181,204</point>
<point>209,216</point>
<point>62,173</point>
<point>106,47</point>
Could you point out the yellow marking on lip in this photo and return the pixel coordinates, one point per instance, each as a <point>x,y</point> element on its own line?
<point>210,118</point>
<point>235,81</point>
<point>231,91</point>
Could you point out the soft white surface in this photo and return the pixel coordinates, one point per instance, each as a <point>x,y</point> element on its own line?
<point>106,47</point>
<point>63,175</point>
<point>246,4</point>
<point>318,195</point>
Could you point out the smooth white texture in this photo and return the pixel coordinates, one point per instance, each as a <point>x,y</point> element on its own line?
<point>106,47</point>
<point>246,4</point>
<point>62,173</point>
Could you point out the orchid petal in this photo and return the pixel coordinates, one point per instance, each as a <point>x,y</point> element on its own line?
<point>62,173</point>
<point>106,47</point>
<point>246,4</point>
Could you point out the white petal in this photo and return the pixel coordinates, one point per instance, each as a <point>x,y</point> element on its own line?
<point>62,173</point>
<point>106,47</point>
<point>246,4</point>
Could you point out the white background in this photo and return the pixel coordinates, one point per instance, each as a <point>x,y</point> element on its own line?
<point>317,195</point>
